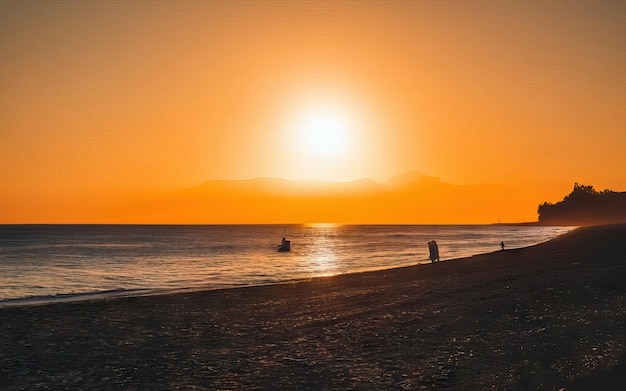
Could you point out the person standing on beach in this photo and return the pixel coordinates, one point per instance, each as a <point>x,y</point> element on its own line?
<point>434,251</point>
<point>502,245</point>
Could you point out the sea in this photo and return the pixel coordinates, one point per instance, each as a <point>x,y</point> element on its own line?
<point>42,264</point>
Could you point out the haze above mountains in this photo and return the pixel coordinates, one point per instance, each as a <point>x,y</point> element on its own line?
<point>412,198</point>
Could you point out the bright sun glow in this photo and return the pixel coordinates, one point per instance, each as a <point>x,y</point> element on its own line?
<point>326,136</point>
<point>323,131</point>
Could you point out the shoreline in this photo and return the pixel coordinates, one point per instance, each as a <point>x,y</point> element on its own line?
<point>547,316</point>
<point>80,294</point>
<point>123,293</point>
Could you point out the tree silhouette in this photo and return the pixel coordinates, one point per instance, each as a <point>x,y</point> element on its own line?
<point>585,206</point>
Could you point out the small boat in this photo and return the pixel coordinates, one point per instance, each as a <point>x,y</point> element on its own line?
<point>285,245</point>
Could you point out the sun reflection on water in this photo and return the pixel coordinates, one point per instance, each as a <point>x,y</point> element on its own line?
<point>322,257</point>
<point>323,225</point>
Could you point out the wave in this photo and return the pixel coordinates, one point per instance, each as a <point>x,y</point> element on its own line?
<point>120,294</point>
<point>74,297</point>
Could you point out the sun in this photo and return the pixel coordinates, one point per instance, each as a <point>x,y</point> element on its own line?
<point>323,131</point>
<point>324,135</point>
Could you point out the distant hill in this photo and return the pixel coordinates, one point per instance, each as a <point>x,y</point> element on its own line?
<point>412,198</point>
<point>585,206</point>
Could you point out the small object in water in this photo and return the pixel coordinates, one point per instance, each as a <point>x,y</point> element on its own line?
<point>285,245</point>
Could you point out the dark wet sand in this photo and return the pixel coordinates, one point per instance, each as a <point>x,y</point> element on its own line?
<point>546,317</point>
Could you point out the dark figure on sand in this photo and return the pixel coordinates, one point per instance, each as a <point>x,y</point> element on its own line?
<point>434,251</point>
<point>502,245</point>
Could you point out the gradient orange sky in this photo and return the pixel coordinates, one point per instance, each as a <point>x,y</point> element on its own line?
<point>102,99</point>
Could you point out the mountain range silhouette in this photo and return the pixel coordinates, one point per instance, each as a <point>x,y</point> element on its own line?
<point>411,198</point>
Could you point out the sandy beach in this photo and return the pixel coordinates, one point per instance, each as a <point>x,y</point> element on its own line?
<point>549,317</point>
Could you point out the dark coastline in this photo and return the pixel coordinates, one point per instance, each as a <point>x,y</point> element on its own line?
<point>549,316</point>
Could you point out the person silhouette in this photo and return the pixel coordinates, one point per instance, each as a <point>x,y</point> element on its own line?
<point>434,251</point>
<point>285,245</point>
<point>502,245</point>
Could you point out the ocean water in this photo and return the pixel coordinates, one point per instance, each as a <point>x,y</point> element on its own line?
<point>48,263</point>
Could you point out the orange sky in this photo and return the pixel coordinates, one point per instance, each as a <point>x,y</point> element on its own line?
<point>122,99</point>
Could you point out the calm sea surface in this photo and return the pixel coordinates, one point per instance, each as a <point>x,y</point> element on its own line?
<point>75,262</point>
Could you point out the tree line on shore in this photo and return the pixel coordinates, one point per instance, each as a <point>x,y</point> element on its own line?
<point>585,206</point>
